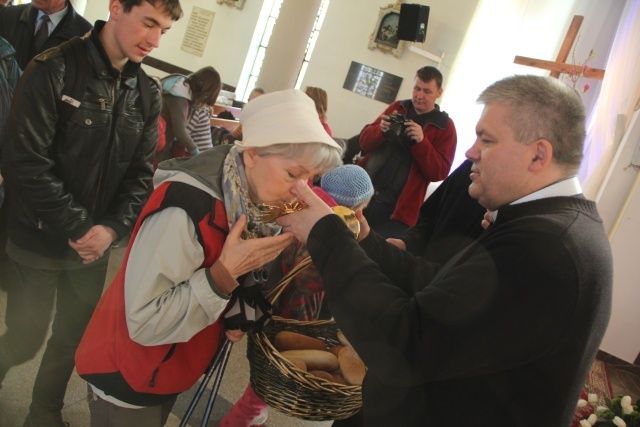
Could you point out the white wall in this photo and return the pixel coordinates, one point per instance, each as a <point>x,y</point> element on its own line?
<point>225,48</point>
<point>344,38</point>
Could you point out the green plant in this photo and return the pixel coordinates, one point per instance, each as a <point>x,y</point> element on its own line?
<point>617,412</point>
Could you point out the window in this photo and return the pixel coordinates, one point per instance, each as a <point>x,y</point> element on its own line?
<point>255,57</point>
<point>311,44</point>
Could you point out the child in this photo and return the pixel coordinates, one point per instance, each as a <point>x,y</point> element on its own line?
<point>349,186</point>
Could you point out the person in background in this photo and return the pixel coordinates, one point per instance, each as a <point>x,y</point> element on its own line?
<point>75,190</point>
<point>10,72</point>
<point>302,299</point>
<point>236,134</point>
<point>34,27</point>
<point>513,321</point>
<point>449,220</point>
<point>321,99</point>
<point>19,25</point>
<point>5,3</point>
<point>203,225</point>
<point>186,109</point>
<point>405,152</point>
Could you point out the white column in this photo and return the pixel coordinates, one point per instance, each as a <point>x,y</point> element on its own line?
<point>286,48</point>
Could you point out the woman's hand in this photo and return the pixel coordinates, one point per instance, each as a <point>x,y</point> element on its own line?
<point>487,220</point>
<point>364,226</point>
<point>242,256</point>
<point>301,222</point>
<point>234,335</point>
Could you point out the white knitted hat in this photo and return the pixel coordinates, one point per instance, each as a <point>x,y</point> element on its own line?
<point>348,185</point>
<point>284,117</point>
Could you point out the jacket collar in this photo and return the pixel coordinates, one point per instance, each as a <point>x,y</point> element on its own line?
<point>104,67</point>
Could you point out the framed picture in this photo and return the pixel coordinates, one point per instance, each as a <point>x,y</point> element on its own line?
<point>385,33</point>
<point>239,4</point>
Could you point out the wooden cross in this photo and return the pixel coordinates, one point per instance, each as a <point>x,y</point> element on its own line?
<point>559,66</point>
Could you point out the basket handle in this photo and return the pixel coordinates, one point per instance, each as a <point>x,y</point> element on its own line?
<point>274,293</point>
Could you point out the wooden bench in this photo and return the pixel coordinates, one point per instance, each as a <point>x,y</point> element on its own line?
<point>230,125</point>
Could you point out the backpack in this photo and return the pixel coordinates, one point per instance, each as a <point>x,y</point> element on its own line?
<point>76,79</point>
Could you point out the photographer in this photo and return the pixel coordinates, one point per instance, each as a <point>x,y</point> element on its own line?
<point>411,144</point>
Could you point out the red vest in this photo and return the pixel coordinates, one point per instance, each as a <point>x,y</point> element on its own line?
<point>106,354</point>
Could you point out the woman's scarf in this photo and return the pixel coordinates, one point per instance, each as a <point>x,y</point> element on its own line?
<point>237,201</point>
<point>249,310</point>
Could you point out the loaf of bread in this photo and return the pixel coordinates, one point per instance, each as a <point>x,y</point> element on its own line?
<point>298,363</point>
<point>324,375</point>
<point>286,340</point>
<point>343,340</point>
<point>352,367</point>
<point>335,350</point>
<point>316,360</point>
<point>338,378</point>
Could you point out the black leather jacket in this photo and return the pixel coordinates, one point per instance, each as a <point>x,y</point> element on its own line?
<point>63,178</point>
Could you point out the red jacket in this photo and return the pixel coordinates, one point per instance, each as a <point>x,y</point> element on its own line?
<point>432,159</point>
<point>149,375</point>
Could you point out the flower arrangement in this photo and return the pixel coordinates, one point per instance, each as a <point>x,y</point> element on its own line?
<point>618,412</point>
<point>574,76</point>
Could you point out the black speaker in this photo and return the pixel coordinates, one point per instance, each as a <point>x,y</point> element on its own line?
<point>413,21</point>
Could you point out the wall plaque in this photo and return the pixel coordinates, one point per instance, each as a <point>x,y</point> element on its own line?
<point>372,83</point>
<point>195,39</point>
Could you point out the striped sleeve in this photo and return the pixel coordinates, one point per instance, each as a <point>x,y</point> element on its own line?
<point>199,128</point>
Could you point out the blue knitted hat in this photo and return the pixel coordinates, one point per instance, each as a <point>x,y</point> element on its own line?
<point>348,185</point>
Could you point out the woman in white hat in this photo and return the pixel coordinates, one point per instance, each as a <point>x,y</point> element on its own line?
<point>158,325</point>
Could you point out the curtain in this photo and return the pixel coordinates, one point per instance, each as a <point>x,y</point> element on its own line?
<point>618,98</point>
<point>502,29</point>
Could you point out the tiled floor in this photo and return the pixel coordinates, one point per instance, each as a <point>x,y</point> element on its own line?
<point>16,392</point>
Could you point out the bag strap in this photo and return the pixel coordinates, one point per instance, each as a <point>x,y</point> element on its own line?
<point>145,93</point>
<point>77,76</point>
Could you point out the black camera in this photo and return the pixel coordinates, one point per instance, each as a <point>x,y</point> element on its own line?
<point>395,133</point>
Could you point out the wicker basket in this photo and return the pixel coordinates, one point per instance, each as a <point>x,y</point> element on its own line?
<point>288,389</point>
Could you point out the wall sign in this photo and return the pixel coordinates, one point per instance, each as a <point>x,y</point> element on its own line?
<point>195,39</point>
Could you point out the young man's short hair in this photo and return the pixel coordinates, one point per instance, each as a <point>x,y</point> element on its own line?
<point>171,7</point>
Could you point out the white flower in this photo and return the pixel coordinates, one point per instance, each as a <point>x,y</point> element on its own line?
<point>626,401</point>
<point>582,403</point>
<point>585,423</point>
<point>619,422</point>
<point>627,409</point>
<point>593,419</point>
<point>601,408</point>
<point>593,398</point>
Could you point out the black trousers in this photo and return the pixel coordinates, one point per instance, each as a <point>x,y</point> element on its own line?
<point>29,307</point>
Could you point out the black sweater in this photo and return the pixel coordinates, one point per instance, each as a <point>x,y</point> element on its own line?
<point>503,334</point>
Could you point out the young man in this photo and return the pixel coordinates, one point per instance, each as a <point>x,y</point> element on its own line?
<point>513,321</point>
<point>405,153</point>
<point>76,187</point>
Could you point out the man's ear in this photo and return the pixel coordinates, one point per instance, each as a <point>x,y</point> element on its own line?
<point>249,156</point>
<point>541,154</point>
<point>115,9</point>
